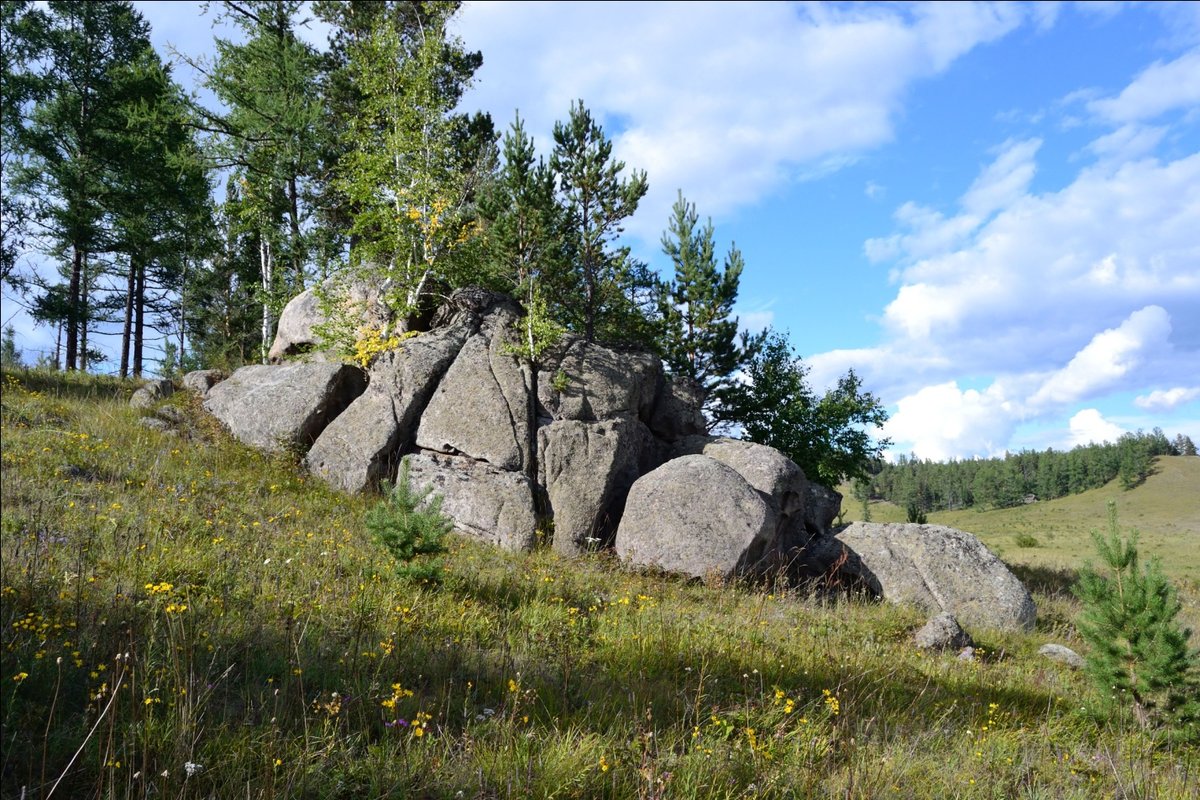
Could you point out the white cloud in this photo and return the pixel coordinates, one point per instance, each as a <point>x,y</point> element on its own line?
<point>1160,88</point>
<point>942,421</point>
<point>1107,358</point>
<point>1088,426</point>
<point>1168,399</point>
<point>728,102</point>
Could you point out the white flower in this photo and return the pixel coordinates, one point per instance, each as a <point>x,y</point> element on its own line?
<point>192,769</point>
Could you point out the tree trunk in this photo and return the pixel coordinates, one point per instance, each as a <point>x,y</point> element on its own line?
<point>72,321</point>
<point>266,268</point>
<point>139,318</point>
<point>127,331</point>
<point>84,294</point>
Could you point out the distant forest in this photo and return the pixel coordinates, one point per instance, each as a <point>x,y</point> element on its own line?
<point>922,486</point>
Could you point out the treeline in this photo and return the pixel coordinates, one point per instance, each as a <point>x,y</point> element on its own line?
<point>923,486</point>
<point>183,230</point>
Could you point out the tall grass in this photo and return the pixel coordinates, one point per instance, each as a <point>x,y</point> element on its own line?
<point>183,617</point>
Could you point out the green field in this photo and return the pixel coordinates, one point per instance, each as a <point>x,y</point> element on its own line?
<point>183,617</point>
<point>1165,511</point>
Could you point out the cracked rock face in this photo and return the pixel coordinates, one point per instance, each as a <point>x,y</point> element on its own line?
<point>938,569</point>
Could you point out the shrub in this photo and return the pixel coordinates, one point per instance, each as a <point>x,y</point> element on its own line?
<point>410,524</point>
<point>1138,650</point>
<point>1027,540</point>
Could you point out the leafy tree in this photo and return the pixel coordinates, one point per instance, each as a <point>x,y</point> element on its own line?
<point>700,335</point>
<point>825,435</point>
<point>1183,445</point>
<point>604,301</point>
<point>1139,652</point>
<point>403,172</point>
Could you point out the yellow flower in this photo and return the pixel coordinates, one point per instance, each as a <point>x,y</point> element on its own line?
<point>20,676</point>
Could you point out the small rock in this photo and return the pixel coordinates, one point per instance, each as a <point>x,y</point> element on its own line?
<point>151,393</point>
<point>1061,654</point>
<point>942,632</point>
<point>171,415</point>
<point>201,380</point>
<point>967,655</point>
<point>156,424</point>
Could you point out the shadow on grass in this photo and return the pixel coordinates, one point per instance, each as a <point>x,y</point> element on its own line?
<point>73,385</point>
<point>1051,581</point>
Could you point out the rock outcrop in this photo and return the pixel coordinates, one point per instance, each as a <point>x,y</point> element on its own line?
<point>593,443</point>
<point>938,569</point>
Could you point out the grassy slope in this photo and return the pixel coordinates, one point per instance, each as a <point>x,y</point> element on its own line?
<point>181,599</point>
<point>1165,511</point>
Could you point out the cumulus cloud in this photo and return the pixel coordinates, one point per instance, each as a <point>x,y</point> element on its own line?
<point>1089,426</point>
<point>1167,399</point>
<point>1106,359</point>
<point>670,81</point>
<point>1057,297</point>
<point>943,421</point>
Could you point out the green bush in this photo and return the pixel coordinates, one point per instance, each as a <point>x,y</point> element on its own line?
<point>1027,540</point>
<point>410,524</point>
<point>1138,650</point>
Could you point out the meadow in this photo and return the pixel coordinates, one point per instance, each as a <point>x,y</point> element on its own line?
<point>183,617</point>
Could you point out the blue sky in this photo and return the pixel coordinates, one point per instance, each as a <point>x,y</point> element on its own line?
<point>990,212</point>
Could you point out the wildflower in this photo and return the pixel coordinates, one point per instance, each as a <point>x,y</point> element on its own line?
<point>603,764</point>
<point>20,676</point>
<point>191,768</point>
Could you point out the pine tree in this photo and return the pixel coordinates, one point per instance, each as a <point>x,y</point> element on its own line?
<point>597,201</point>
<point>700,338</point>
<point>524,238</point>
<point>71,145</point>
<point>1138,650</point>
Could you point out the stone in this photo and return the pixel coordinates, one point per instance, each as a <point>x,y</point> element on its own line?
<point>1062,655</point>
<point>296,331</point>
<point>678,410</point>
<point>938,569</point>
<point>301,318</point>
<point>777,479</point>
<point>156,424</point>
<point>587,469</point>
<point>361,447</point>
<point>151,392</point>
<point>821,507</point>
<point>942,632</point>
<point>591,382</point>
<point>695,516</point>
<point>284,407</point>
<point>483,501</point>
<point>171,415</point>
<point>200,381</point>
<point>482,407</point>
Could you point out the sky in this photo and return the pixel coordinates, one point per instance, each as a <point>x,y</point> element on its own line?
<point>990,212</point>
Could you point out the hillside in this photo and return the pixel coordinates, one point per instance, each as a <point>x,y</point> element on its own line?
<point>183,617</point>
<point>1165,510</point>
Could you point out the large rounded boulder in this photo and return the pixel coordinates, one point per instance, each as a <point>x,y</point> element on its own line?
<point>698,517</point>
<point>938,569</point>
